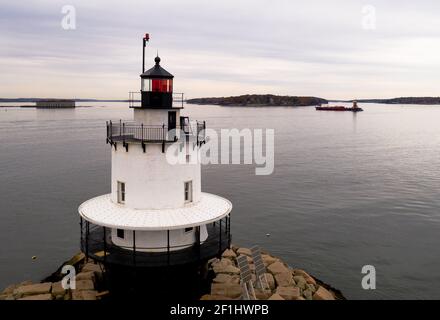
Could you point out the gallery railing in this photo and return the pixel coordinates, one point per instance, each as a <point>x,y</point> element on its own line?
<point>126,131</point>
<point>96,243</point>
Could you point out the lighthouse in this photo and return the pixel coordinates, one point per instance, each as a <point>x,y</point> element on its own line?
<point>156,214</point>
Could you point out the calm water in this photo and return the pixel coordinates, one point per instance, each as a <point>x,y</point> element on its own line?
<point>347,190</point>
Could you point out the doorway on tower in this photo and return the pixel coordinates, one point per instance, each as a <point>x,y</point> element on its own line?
<point>171,120</point>
<point>172,124</point>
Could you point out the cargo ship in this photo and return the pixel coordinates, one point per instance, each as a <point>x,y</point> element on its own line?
<point>354,108</point>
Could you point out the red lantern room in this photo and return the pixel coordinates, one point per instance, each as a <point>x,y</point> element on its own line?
<point>157,87</point>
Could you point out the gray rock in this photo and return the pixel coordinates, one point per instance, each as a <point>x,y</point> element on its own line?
<point>229,254</point>
<point>284,279</point>
<point>229,270</point>
<point>33,289</point>
<point>268,259</point>
<point>308,294</point>
<point>84,285</point>
<point>46,296</point>
<point>311,287</point>
<point>225,266</point>
<point>92,267</point>
<point>305,275</point>
<point>270,280</point>
<point>88,294</point>
<point>288,293</point>
<point>323,294</point>
<point>10,289</point>
<point>262,294</point>
<point>277,267</point>
<point>300,282</point>
<point>86,275</point>
<point>245,251</point>
<point>276,296</point>
<point>57,289</point>
<point>76,295</point>
<point>214,297</point>
<point>229,290</point>
<point>226,278</point>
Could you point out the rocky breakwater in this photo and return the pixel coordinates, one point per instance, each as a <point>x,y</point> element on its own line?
<point>89,284</point>
<point>285,283</point>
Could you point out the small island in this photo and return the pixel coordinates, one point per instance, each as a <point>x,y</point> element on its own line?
<point>260,100</point>
<point>401,100</point>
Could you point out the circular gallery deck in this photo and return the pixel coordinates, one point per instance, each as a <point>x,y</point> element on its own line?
<point>102,211</point>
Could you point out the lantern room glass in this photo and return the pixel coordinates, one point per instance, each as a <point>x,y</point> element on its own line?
<point>157,85</point>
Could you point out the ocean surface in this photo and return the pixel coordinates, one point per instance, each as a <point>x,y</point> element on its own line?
<point>348,190</point>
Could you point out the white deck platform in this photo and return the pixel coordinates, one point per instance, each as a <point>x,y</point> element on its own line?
<point>102,211</point>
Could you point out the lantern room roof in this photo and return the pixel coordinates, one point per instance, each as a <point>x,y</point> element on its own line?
<point>104,212</point>
<point>157,71</point>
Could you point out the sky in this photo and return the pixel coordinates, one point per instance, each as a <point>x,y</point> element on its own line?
<point>339,49</point>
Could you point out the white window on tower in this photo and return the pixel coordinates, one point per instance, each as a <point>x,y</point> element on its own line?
<point>188,192</point>
<point>121,192</point>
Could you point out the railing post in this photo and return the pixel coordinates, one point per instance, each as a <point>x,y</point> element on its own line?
<point>226,221</point>
<point>142,137</point>
<point>229,231</point>
<point>111,132</point>
<point>197,132</point>
<point>81,226</point>
<point>105,244</point>
<point>123,137</point>
<point>163,138</point>
<point>198,244</point>
<point>134,247</point>
<point>168,247</point>
<point>220,238</point>
<point>87,239</point>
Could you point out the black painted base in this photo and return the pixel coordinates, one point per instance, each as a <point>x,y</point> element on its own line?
<point>187,283</point>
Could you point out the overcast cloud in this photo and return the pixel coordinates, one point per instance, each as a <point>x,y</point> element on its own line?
<point>217,48</point>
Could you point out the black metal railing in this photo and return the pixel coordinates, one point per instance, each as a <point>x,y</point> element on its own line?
<point>135,98</point>
<point>129,131</point>
<point>96,244</point>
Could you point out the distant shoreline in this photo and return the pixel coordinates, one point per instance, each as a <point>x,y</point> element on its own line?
<point>265,100</point>
<point>260,100</point>
<point>401,100</point>
<point>33,100</point>
<point>295,101</point>
<point>35,107</point>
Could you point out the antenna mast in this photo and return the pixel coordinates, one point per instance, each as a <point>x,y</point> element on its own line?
<point>144,42</point>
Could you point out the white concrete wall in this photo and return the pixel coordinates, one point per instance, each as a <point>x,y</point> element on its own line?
<point>154,117</point>
<point>150,241</point>
<point>150,181</point>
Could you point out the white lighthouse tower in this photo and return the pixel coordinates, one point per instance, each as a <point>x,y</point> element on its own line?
<point>156,214</point>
